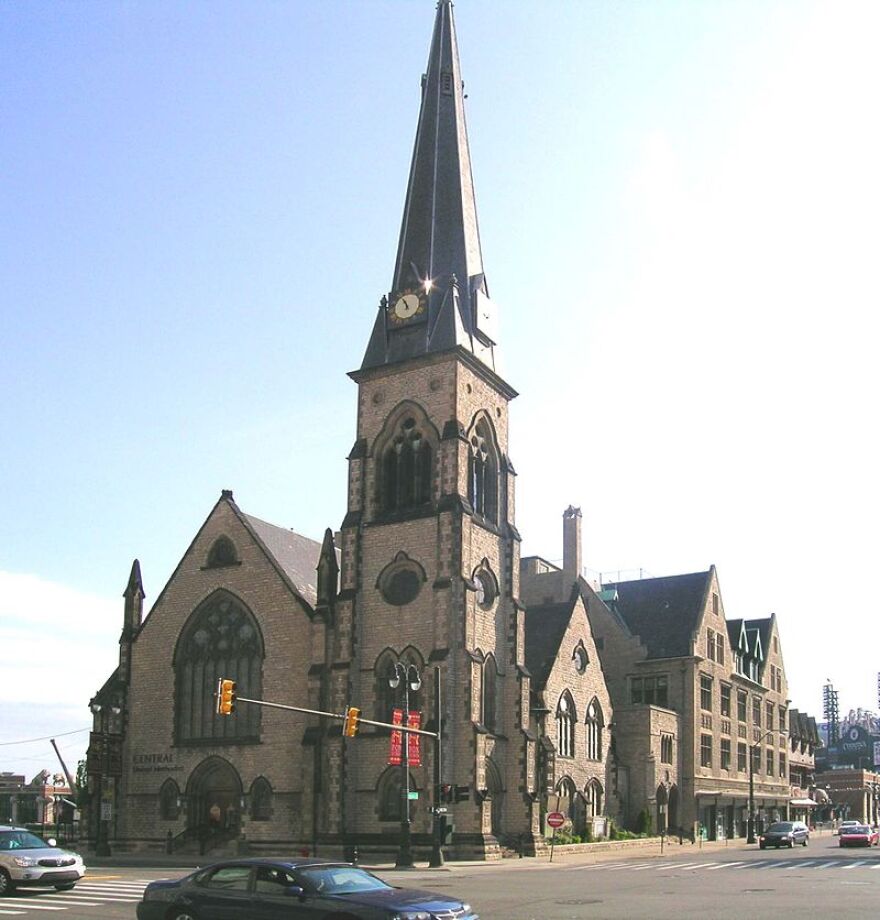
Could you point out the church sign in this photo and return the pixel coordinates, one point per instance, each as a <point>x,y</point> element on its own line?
<point>164,762</point>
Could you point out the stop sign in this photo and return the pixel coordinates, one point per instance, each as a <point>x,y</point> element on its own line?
<point>556,819</point>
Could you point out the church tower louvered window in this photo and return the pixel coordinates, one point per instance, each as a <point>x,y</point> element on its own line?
<point>483,474</point>
<point>221,639</point>
<point>406,468</point>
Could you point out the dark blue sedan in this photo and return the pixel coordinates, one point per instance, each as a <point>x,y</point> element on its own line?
<point>283,889</point>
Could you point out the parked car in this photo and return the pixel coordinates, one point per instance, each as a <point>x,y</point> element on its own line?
<point>859,836</point>
<point>785,834</point>
<point>26,859</point>
<point>844,825</point>
<point>284,889</point>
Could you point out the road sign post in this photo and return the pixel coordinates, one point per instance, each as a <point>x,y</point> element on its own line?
<point>554,819</point>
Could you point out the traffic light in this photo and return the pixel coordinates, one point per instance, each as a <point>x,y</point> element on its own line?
<point>350,726</point>
<point>225,696</point>
<point>462,793</point>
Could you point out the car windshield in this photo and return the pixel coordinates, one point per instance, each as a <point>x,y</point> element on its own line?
<point>339,880</point>
<point>781,827</point>
<point>857,829</point>
<point>21,840</point>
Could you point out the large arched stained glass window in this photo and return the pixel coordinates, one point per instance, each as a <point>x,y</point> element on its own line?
<point>220,639</point>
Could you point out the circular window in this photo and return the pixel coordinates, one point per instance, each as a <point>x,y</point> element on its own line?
<point>401,587</point>
<point>485,589</point>
<point>580,659</point>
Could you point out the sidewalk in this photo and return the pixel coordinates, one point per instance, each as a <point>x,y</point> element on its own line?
<point>572,854</point>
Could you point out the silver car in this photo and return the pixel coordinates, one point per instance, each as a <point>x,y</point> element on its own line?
<point>26,859</point>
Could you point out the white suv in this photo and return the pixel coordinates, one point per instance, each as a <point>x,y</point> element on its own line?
<point>26,859</point>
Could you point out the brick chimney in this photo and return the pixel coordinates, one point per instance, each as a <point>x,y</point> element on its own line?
<point>572,563</point>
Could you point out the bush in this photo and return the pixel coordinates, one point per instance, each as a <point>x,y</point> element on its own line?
<point>644,823</point>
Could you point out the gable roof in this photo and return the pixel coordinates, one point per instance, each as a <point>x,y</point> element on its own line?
<point>545,626</point>
<point>297,556</point>
<point>663,612</point>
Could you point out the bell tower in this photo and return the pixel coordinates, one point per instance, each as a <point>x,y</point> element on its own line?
<point>429,568</point>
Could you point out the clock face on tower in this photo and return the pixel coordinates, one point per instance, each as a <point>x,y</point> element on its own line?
<point>406,306</point>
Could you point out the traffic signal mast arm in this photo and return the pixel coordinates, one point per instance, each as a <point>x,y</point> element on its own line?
<point>336,715</point>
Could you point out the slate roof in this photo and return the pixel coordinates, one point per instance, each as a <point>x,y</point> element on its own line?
<point>545,627</point>
<point>663,612</point>
<point>296,555</point>
<point>439,234</point>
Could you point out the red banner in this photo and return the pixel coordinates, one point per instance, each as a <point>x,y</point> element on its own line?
<point>413,741</point>
<point>396,754</point>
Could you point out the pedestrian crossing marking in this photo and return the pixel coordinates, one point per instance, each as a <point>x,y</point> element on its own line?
<point>729,865</point>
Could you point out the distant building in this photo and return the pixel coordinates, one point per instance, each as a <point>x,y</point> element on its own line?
<point>44,800</point>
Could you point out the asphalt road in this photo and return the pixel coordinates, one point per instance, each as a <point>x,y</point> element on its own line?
<point>714,883</point>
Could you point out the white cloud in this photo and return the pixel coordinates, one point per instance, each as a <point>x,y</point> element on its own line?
<point>57,644</point>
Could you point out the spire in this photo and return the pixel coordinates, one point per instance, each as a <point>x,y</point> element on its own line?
<point>439,264</point>
<point>135,586</point>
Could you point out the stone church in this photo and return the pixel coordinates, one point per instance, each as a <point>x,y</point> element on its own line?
<point>425,572</point>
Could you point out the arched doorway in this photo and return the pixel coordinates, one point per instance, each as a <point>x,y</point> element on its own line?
<point>214,794</point>
<point>662,816</point>
<point>495,792</point>
<point>673,821</point>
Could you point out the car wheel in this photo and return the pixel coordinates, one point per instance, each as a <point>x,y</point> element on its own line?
<point>806,840</point>
<point>7,886</point>
<point>65,886</point>
<point>181,913</point>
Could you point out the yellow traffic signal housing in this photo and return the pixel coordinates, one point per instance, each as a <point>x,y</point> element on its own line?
<point>225,696</point>
<point>350,726</point>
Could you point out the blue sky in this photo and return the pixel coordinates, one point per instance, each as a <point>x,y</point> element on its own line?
<point>200,206</point>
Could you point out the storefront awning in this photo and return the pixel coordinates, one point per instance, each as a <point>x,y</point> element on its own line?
<point>803,803</point>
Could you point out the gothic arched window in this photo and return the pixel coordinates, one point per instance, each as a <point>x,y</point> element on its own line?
<point>483,473</point>
<point>595,724</point>
<point>566,719</point>
<point>406,474</point>
<point>261,799</point>
<point>169,801</point>
<point>490,691</point>
<point>220,639</point>
<point>594,796</point>
<point>222,553</point>
<point>389,793</point>
<point>386,695</point>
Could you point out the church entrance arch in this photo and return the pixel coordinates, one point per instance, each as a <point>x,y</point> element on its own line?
<point>673,821</point>
<point>213,794</point>
<point>495,792</point>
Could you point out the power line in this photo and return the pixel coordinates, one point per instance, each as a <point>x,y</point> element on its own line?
<point>45,738</point>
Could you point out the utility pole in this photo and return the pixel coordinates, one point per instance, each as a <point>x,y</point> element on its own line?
<point>439,819</point>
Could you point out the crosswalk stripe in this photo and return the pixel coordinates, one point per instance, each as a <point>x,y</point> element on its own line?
<point>697,865</point>
<point>630,866</point>
<point>89,900</point>
<point>729,865</point>
<point>652,865</point>
<point>852,865</point>
<point>826,865</point>
<point>30,905</point>
<point>12,913</point>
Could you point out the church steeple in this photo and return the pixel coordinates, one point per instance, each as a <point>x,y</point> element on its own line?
<point>439,296</point>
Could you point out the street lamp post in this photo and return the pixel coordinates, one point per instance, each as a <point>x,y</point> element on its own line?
<point>751,823</point>
<point>408,676</point>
